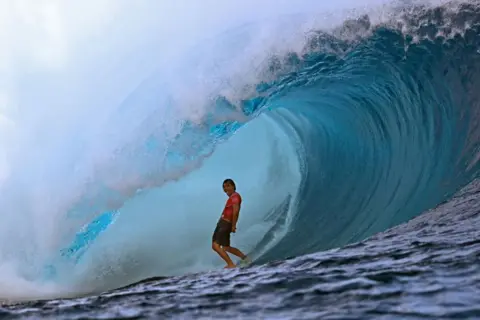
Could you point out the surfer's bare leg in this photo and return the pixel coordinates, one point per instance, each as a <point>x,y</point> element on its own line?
<point>221,252</point>
<point>235,251</point>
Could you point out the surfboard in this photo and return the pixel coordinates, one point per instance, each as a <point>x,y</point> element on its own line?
<point>244,263</point>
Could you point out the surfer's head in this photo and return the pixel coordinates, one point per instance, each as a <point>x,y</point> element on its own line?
<point>229,186</point>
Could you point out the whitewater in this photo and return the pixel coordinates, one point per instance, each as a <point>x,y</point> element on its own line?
<point>350,129</point>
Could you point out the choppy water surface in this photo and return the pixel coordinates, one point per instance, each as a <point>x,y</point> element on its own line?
<point>428,268</point>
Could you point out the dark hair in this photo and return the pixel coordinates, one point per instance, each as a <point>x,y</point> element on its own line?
<point>230,182</point>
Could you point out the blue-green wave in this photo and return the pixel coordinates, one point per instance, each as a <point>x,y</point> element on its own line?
<point>384,124</point>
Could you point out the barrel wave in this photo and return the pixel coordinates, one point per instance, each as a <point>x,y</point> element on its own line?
<point>362,127</point>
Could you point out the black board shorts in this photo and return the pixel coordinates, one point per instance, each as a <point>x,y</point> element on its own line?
<point>221,235</point>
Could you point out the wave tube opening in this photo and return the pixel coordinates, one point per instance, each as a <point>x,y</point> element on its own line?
<point>330,138</point>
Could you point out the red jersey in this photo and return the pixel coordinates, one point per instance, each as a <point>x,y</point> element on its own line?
<point>227,213</point>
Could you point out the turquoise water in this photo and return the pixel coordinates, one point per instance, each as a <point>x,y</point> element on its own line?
<point>361,128</point>
<point>382,128</point>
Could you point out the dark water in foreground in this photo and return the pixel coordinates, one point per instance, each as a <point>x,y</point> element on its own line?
<point>428,268</point>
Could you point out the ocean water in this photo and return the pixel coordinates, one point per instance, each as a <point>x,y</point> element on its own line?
<point>350,129</point>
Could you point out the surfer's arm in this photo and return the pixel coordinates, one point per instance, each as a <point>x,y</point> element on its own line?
<point>236,210</point>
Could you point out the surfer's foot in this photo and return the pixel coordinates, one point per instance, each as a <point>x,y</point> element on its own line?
<point>229,266</point>
<point>246,260</point>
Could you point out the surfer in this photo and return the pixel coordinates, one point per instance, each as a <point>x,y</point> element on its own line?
<point>228,224</point>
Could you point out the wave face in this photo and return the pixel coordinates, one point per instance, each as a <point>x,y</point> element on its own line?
<point>389,128</point>
<point>330,140</point>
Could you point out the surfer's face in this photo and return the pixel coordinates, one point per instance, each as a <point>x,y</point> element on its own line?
<point>228,188</point>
